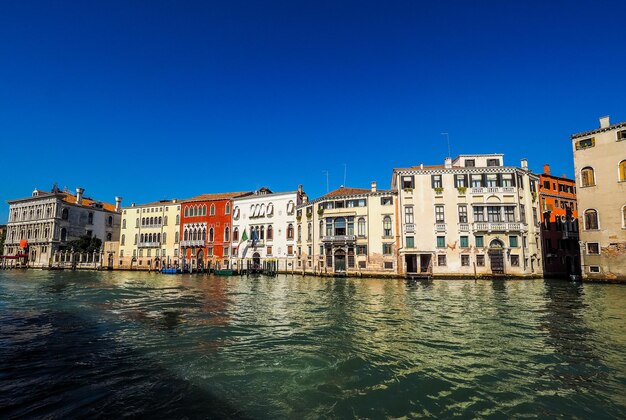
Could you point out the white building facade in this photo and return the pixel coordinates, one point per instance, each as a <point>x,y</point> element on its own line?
<point>40,227</point>
<point>472,216</point>
<point>263,230</point>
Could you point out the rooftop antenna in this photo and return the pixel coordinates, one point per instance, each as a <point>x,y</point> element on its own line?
<point>345,171</point>
<point>326,180</point>
<point>448,139</point>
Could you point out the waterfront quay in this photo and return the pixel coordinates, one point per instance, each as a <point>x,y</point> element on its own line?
<point>76,344</point>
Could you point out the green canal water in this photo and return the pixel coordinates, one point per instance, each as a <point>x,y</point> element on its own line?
<point>109,344</point>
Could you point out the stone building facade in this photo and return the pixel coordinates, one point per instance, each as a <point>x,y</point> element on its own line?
<point>471,216</point>
<point>263,229</point>
<point>600,168</point>
<point>40,227</point>
<point>349,231</point>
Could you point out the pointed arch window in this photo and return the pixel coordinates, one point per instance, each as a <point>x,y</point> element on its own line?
<point>387,226</point>
<point>591,219</point>
<point>235,234</point>
<point>290,231</point>
<point>226,234</point>
<point>186,235</point>
<point>361,226</point>
<point>227,209</point>
<point>270,233</point>
<point>212,210</point>
<point>211,235</point>
<point>588,177</point>
<point>124,224</point>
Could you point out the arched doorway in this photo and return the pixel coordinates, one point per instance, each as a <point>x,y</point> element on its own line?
<point>200,260</point>
<point>340,261</point>
<point>256,261</point>
<point>496,256</point>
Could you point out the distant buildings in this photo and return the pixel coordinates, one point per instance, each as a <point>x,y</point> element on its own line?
<point>41,226</point>
<point>470,216</point>
<point>600,167</point>
<point>559,225</point>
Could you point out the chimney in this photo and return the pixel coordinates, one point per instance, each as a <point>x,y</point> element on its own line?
<point>421,166</point>
<point>546,169</point>
<point>299,189</point>
<point>605,122</point>
<point>118,202</point>
<point>524,163</point>
<point>373,186</point>
<point>132,204</point>
<point>79,195</point>
<point>448,163</point>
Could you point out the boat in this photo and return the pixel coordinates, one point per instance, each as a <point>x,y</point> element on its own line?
<point>169,271</point>
<point>224,272</point>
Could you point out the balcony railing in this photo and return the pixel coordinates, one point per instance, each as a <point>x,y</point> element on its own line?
<point>409,228</point>
<point>464,227</point>
<point>498,226</point>
<point>339,238</point>
<point>194,243</point>
<point>440,227</point>
<point>256,243</point>
<point>492,190</point>
<point>149,244</point>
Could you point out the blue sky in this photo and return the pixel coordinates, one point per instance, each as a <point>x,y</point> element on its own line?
<point>160,99</point>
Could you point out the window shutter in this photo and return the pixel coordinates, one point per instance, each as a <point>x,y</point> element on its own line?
<point>432,181</point>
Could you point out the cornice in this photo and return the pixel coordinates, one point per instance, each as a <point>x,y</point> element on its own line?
<point>598,130</point>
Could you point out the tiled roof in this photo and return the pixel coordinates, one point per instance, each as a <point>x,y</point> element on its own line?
<point>87,202</point>
<point>218,196</point>
<point>342,191</point>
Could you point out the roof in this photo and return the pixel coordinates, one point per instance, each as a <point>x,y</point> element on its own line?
<point>343,191</point>
<point>87,202</point>
<point>598,130</point>
<point>218,196</point>
<point>155,203</point>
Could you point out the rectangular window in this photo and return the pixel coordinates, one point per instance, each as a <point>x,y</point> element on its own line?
<point>493,214</point>
<point>509,214</point>
<point>522,213</point>
<point>210,251</point>
<point>479,213</point>
<point>621,135</point>
<point>476,180</point>
<point>460,181</point>
<point>593,248</point>
<point>436,181</point>
<point>463,213</point>
<point>464,242</point>
<point>410,242</point>
<point>513,241</point>
<point>289,249</point>
<point>439,216</point>
<point>388,265</point>
<point>386,201</point>
<point>407,182</point>
<point>441,260</point>
<point>465,260</point>
<point>408,214</point>
<point>441,241</point>
<point>480,260</point>
<point>387,249</point>
<point>507,180</point>
<point>515,260</point>
<point>594,269</point>
<point>361,250</point>
<point>492,180</point>
<point>480,241</point>
<point>585,143</point>
<point>470,163</point>
<point>227,249</point>
<point>141,252</point>
<point>493,162</point>
<point>362,264</point>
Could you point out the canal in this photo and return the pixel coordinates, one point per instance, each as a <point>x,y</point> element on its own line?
<point>105,344</point>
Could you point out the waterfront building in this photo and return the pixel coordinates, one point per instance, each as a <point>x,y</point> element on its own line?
<point>600,168</point>
<point>263,229</point>
<point>205,234</point>
<point>470,216</point>
<point>559,225</point>
<point>41,226</point>
<point>349,231</point>
<point>149,237</point>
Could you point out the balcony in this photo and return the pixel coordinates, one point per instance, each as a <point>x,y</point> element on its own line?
<point>498,227</point>
<point>491,190</point>
<point>464,227</point>
<point>149,244</point>
<point>409,228</point>
<point>256,243</point>
<point>339,238</point>
<point>192,244</point>
<point>440,227</point>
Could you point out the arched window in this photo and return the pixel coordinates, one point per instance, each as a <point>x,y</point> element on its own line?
<point>194,235</point>
<point>624,217</point>
<point>178,219</point>
<point>64,233</point>
<point>141,238</point>
<point>211,235</point>
<point>186,212</point>
<point>135,239</point>
<point>290,207</point>
<point>591,219</point>
<point>123,241</point>
<point>290,231</point>
<point>309,235</point>
<point>158,237</point>
<point>90,218</point>
<point>587,177</point>
<point>622,171</point>
<point>165,221</point>
<point>164,237</point>
<point>109,236</point>
<point>137,222</point>
<point>387,226</point>
<point>65,214</point>
<point>203,234</point>
<point>212,210</point>
<point>299,232</point>
<point>256,231</point>
<point>235,234</point>
<point>270,233</point>
<point>227,209</point>
<point>110,221</point>
<point>361,226</point>
<point>124,224</point>
<point>186,235</point>
<point>160,221</point>
<point>226,234</point>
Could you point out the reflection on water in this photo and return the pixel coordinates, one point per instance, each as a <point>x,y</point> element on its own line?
<point>143,344</point>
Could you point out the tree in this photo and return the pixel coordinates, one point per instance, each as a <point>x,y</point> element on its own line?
<point>85,243</point>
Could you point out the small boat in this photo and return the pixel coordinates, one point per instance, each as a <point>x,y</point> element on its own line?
<point>225,272</point>
<point>169,271</point>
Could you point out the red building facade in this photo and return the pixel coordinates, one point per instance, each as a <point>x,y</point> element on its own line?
<point>559,225</point>
<point>206,229</point>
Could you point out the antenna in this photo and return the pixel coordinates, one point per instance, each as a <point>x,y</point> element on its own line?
<point>326,180</point>
<point>448,138</point>
<point>345,171</point>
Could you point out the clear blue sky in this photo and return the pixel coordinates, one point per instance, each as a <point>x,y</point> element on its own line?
<point>155,99</point>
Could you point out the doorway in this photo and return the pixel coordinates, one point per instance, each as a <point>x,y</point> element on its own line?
<point>340,261</point>
<point>411,263</point>
<point>425,262</point>
<point>496,256</point>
